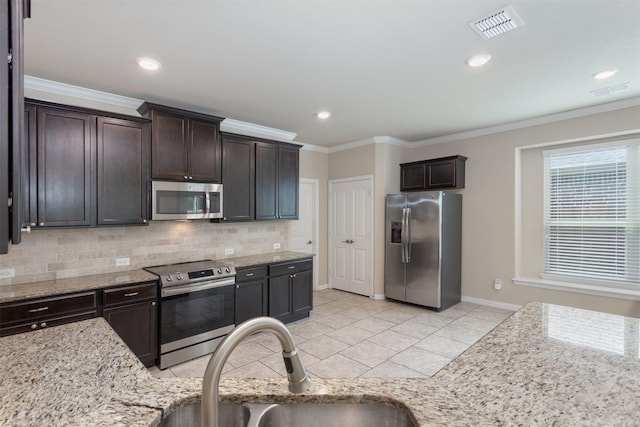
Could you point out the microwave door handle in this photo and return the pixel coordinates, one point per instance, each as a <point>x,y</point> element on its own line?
<point>207,202</point>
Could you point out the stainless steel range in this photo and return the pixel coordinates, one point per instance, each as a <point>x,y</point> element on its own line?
<point>197,308</point>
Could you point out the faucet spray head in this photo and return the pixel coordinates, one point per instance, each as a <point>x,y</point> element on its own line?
<point>299,381</point>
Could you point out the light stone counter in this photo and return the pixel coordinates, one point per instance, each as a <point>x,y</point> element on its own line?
<point>545,365</point>
<point>47,288</point>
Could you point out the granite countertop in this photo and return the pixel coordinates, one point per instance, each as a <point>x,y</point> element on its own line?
<point>47,288</point>
<point>545,365</point>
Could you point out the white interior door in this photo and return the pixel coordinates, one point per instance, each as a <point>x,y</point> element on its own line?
<point>350,235</point>
<point>303,233</point>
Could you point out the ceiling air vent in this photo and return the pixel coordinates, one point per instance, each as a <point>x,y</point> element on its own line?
<point>611,89</point>
<point>496,23</point>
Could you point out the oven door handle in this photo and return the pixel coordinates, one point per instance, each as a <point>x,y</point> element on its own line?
<point>178,290</point>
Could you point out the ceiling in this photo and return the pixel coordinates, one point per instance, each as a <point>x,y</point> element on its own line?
<point>383,68</point>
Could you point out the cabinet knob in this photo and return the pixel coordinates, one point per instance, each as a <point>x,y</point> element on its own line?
<point>41,224</point>
<point>34,326</point>
<point>186,177</point>
<point>153,304</point>
<point>43,324</point>
<point>190,177</point>
<point>33,224</point>
<point>144,221</point>
<point>237,286</point>
<point>26,229</point>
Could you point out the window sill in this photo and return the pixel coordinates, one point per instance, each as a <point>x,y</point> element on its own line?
<point>607,291</point>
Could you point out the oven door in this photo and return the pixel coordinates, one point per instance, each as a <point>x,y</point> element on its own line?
<point>194,313</point>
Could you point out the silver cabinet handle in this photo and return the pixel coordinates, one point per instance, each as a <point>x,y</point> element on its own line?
<point>249,274</point>
<point>34,326</point>
<point>291,267</point>
<point>37,310</point>
<point>131,294</point>
<point>43,324</point>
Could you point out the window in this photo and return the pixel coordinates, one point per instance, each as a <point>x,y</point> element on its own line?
<point>592,212</point>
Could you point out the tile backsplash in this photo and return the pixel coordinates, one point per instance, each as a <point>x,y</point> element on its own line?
<point>56,254</point>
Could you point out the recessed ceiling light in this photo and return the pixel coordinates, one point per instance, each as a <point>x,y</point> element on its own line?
<point>605,74</point>
<point>323,115</point>
<point>478,60</point>
<point>149,64</point>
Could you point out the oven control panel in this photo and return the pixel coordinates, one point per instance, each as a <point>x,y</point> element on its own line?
<point>192,273</point>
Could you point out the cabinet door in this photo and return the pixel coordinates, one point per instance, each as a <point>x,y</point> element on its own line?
<point>279,293</point>
<point>168,146</point>
<point>5,134</point>
<point>412,177</point>
<point>65,172</point>
<point>29,168</point>
<point>302,292</point>
<point>137,326</point>
<point>238,169</point>
<point>441,174</point>
<point>266,181</point>
<point>249,300</point>
<point>288,182</point>
<point>204,151</point>
<point>123,171</point>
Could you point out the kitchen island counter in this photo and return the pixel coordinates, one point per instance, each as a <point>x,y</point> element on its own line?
<point>526,371</point>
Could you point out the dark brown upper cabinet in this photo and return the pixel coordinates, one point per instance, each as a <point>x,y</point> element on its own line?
<point>185,146</point>
<point>238,175</point>
<point>123,171</point>
<point>434,174</point>
<point>65,153</point>
<point>82,168</point>
<point>277,176</point>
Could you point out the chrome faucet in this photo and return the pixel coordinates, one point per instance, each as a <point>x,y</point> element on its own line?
<point>296,374</point>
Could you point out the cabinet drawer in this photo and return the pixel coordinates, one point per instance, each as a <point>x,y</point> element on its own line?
<point>247,274</point>
<point>47,307</point>
<point>47,323</point>
<point>129,294</point>
<point>290,267</point>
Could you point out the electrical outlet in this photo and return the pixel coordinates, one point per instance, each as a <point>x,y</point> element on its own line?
<point>8,273</point>
<point>228,251</point>
<point>497,284</point>
<point>122,262</point>
<point>276,246</point>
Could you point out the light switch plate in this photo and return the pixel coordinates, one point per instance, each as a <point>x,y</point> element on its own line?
<point>228,251</point>
<point>122,262</point>
<point>276,246</point>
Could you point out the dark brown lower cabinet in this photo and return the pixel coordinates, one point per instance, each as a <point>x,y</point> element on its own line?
<point>291,295</point>
<point>251,293</point>
<point>30,315</point>
<point>132,311</point>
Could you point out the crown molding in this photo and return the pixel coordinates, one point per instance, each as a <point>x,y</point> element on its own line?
<point>49,86</point>
<point>316,148</point>
<point>536,121</point>
<point>228,125</point>
<point>251,129</point>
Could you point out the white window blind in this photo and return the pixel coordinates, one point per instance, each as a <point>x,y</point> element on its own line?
<point>592,212</point>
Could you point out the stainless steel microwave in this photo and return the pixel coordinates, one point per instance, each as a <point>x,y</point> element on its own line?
<point>185,200</point>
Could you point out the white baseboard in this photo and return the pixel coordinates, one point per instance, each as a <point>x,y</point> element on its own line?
<point>378,297</point>
<point>490,303</point>
<point>321,287</point>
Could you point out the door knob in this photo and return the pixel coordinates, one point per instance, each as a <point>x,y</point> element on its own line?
<point>309,242</point>
<point>345,241</point>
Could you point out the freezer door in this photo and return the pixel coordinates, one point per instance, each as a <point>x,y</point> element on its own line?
<point>423,269</point>
<point>393,252</point>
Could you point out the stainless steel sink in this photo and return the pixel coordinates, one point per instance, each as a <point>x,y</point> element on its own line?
<point>296,414</point>
<point>231,415</point>
<point>336,414</point>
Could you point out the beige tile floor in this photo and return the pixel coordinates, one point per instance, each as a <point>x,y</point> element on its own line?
<point>351,336</point>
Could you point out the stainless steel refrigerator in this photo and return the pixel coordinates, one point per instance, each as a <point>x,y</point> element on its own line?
<point>422,248</point>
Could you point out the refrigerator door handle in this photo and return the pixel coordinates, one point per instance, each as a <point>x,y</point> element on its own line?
<point>408,234</point>
<point>403,233</point>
